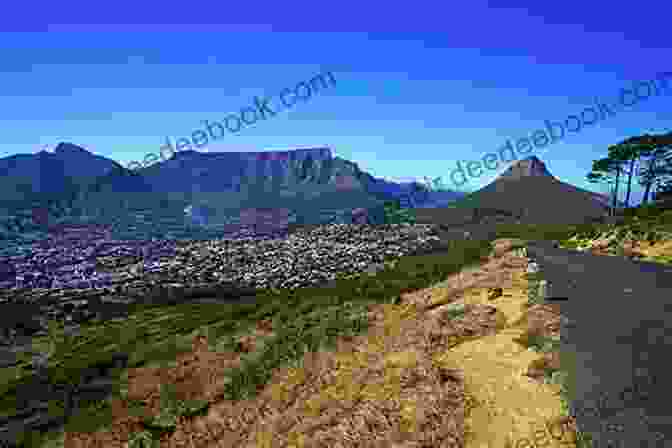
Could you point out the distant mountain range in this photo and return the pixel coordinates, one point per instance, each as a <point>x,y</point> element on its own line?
<point>310,171</point>
<point>315,185</point>
<point>212,188</point>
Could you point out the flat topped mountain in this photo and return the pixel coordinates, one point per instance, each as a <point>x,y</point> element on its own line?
<point>71,182</point>
<point>316,153</point>
<point>189,171</point>
<point>302,170</point>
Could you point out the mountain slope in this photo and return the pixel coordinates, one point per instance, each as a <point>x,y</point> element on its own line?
<point>303,172</point>
<point>411,194</point>
<point>541,200</point>
<point>69,169</point>
<point>528,167</point>
<point>23,175</point>
<point>74,184</point>
<point>529,187</point>
<point>527,192</point>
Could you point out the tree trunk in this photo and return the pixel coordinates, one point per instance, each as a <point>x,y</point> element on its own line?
<point>618,176</point>
<point>647,191</point>
<point>627,194</point>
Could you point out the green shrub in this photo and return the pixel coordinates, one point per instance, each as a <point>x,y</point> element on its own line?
<point>394,214</point>
<point>305,319</point>
<point>143,439</point>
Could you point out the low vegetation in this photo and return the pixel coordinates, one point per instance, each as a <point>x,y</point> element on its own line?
<point>394,214</point>
<point>308,318</point>
<point>633,235</point>
<point>304,320</point>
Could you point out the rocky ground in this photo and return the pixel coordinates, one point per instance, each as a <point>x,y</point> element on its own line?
<point>81,275</point>
<point>638,240</point>
<point>447,366</point>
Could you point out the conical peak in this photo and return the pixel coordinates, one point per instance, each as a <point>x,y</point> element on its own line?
<point>530,166</point>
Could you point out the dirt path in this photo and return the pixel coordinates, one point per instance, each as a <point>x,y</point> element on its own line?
<point>506,405</point>
<point>428,372</point>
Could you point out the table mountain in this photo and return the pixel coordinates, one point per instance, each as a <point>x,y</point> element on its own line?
<point>72,182</point>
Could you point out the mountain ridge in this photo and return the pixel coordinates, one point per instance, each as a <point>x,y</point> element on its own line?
<point>527,193</point>
<point>528,167</point>
<point>72,181</point>
<point>316,185</point>
<point>532,166</point>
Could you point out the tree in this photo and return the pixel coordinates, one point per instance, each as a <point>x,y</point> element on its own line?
<point>652,149</point>
<point>664,192</point>
<point>653,173</point>
<point>664,179</point>
<point>307,167</point>
<point>657,166</point>
<point>326,170</point>
<point>607,170</point>
<point>625,155</point>
<point>625,158</point>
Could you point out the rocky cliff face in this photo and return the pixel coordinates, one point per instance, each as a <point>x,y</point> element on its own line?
<point>235,172</point>
<point>172,197</point>
<point>190,189</point>
<point>527,167</point>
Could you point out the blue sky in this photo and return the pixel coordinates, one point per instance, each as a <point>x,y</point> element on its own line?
<point>416,90</point>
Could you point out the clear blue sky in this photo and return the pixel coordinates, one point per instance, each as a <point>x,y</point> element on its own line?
<point>416,89</point>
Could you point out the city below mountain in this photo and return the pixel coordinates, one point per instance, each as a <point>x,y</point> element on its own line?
<point>211,188</point>
<point>312,184</point>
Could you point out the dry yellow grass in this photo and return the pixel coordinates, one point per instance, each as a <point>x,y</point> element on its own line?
<point>660,248</point>
<point>421,376</point>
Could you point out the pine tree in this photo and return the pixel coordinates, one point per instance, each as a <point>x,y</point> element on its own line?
<point>307,167</point>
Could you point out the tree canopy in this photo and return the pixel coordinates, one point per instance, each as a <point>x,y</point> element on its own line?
<point>647,158</point>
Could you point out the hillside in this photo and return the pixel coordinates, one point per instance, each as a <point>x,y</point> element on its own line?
<point>73,185</point>
<point>527,192</point>
<point>484,351</point>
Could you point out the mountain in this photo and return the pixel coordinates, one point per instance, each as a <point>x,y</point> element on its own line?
<point>303,180</point>
<point>311,170</point>
<point>38,191</point>
<point>528,167</point>
<point>410,194</point>
<point>526,192</point>
<point>50,173</point>
<point>529,188</point>
<point>533,166</point>
<point>248,178</point>
<point>245,172</point>
<point>197,187</point>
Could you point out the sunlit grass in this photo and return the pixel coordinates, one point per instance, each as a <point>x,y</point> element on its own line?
<point>307,319</point>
